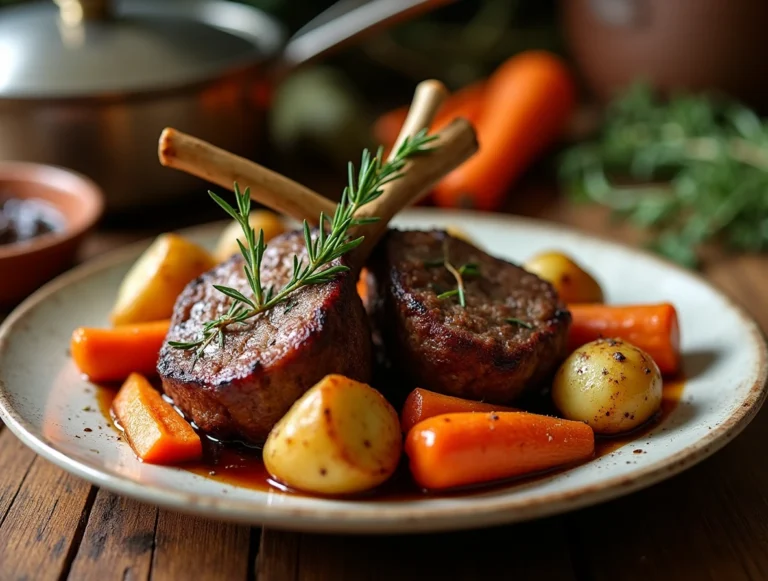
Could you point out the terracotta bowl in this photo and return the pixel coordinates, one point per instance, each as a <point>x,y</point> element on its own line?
<point>25,266</point>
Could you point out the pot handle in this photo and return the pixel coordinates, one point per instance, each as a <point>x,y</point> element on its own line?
<point>74,12</point>
<point>344,22</point>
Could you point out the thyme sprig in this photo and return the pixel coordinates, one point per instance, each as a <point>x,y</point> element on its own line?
<point>331,242</point>
<point>697,169</point>
<point>468,269</point>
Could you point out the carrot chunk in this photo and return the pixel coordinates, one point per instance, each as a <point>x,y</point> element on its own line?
<point>652,328</point>
<point>155,431</point>
<point>422,404</point>
<point>460,449</point>
<point>112,354</point>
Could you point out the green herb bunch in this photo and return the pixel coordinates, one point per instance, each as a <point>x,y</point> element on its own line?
<point>702,164</point>
<point>331,242</point>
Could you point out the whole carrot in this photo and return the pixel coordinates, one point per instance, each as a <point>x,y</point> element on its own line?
<point>113,354</point>
<point>466,102</point>
<point>422,404</point>
<point>453,450</point>
<point>155,431</point>
<point>527,103</point>
<point>652,328</point>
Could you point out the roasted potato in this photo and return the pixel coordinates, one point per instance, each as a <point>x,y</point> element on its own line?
<point>340,437</point>
<point>457,232</point>
<point>572,283</point>
<point>265,220</point>
<point>149,290</point>
<point>610,384</point>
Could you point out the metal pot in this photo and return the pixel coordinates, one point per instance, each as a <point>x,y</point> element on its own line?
<point>90,85</point>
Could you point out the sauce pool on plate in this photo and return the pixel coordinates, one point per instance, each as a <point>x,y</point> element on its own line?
<point>239,465</point>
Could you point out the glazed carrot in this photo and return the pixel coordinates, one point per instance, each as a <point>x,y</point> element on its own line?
<point>652,328</point>
<point>422,404</point>
<point>469,448</point>
<point>362,286</point>
<point>112,354</point>
<point>155,431</point>
<point>527,103</point>
<point>466,102</point>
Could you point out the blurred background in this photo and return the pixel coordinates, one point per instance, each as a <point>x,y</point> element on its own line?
<point>651,110</point>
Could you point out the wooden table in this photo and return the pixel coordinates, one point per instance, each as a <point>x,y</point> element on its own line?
<point>710,522</point>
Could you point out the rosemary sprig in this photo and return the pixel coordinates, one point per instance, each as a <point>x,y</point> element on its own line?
<point>331,242</point>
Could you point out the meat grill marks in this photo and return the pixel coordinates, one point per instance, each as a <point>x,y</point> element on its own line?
<point>267,363</point>
<point>480,352</point>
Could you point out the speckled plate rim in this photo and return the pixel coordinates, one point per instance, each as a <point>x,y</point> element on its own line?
<point>397,517</point>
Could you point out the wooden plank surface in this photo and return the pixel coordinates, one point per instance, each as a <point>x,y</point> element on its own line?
<point>118,541</point>
<point>189,547</point>
<point>43,527</point>
<point>710,522</point>
<point>533,550</point>
<point>15,461</point>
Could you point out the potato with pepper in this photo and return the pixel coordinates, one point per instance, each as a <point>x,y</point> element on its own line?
<point>572,283</point>
<point>340,437</point>
<point>610,384</point>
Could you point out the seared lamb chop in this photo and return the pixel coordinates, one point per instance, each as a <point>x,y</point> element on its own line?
<point>240,391</point>
<point>512,333</point>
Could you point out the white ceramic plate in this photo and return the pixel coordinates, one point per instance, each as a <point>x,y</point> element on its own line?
<point>45,401</point>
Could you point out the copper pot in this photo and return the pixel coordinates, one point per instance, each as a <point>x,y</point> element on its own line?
<point>674,44</point>
<point>91,84</point>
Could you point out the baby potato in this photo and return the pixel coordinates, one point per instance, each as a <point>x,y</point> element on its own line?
<point>457,232</point>
<point>149,290</point>
<point>340,437</point>
<point>610,384</point>
<point>265,220</point>
<point>572,283</point>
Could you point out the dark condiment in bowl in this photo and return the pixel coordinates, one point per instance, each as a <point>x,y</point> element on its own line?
<point>45,213</point>
<point>23,219</point>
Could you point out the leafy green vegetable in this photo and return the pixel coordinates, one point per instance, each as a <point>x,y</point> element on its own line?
<point>697,169</point>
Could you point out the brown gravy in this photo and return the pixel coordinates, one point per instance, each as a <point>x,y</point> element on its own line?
<point>239,465</point>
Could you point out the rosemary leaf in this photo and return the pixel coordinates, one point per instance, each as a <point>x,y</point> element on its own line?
<point>235,294</point>
<point>225,205</point>
<point>448,294</point>
<point>469,269</point>
<point>184,344</point>
<point>520,322</point>
<point>436,262</point>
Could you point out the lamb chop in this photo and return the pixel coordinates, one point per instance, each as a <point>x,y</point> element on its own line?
<point>240,389</point>
<point>510,333</point>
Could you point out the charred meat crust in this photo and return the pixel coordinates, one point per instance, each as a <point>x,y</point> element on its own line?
<point>473,352</point>
<point>241,391</point>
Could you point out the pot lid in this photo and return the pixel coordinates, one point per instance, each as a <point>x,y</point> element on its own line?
<point>77,48</point>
